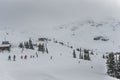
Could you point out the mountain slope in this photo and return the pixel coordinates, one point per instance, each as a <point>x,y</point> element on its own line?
<point>63,66</point>
<point>82,33</point>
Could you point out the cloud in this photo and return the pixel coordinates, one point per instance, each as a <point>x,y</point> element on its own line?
<point>54,12</point>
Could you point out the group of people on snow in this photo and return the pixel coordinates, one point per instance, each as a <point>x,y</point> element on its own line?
<point>13,58</point>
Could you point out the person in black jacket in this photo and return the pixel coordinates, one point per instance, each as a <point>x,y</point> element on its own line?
<point>9,58</point>
<point>14,58</point>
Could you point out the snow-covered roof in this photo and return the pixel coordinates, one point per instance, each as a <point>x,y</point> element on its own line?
<point>5,45</point>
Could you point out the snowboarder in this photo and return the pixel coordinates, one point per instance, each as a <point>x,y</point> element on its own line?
<point>14,58</point>
<point>9,58</point>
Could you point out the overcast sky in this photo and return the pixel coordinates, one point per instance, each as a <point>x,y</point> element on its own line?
<point>54,12</point>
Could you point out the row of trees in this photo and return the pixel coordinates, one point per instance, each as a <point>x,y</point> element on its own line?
<point>42,48</point>
<point>85,54</point>
<point>113,64</point>
<point>63,43</point>
<point>29,45</point>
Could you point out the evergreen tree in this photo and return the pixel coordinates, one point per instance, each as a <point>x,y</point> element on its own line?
<point>74,54</point>
<point>21,45</point>
<point>26,44</point>
<point>117,71</point>
<point>43,48</point>
<point>80,55</point>
<point>88,57</point>
<point>86,54</point>
<point>80,50</point>
<point>30,44</point>
<point>46,50</point>
<point>39,47</point>
<point>86,51</point>
<point>111,65</point>
<point>119,63</point>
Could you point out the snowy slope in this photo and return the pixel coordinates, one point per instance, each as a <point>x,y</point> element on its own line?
<point>82,33</point>
<point>55,19</point>
<point>61,67</point>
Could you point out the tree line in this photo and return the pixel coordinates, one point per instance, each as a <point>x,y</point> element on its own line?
<point>113,64</point>
<point>83,54</point>
<point>29,45</point>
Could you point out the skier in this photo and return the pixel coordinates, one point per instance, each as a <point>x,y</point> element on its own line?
<point>9,58</point>
<point>33,56</point>
<point>21,57</point>
<point>14,57</point>
<point>25,57</point>
<point>51,57</point>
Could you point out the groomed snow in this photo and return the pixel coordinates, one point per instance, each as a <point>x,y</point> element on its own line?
<point>61,67</point>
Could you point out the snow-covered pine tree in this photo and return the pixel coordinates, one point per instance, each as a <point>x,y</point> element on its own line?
<point>21,45</point>
<point>30,44</point>
<point>39,47</point>
<point>80,55</point>
<point>26,44</point>
<point>43,48</point>
<point>47,50</point>
<point>117,69</point>
<point>88,57</point>
<point>111,65</point>
<point>119,63</point>
<point>86,54</point>
<point>74,54</point>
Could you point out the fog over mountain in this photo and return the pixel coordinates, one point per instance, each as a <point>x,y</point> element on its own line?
<point>47,13</point>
